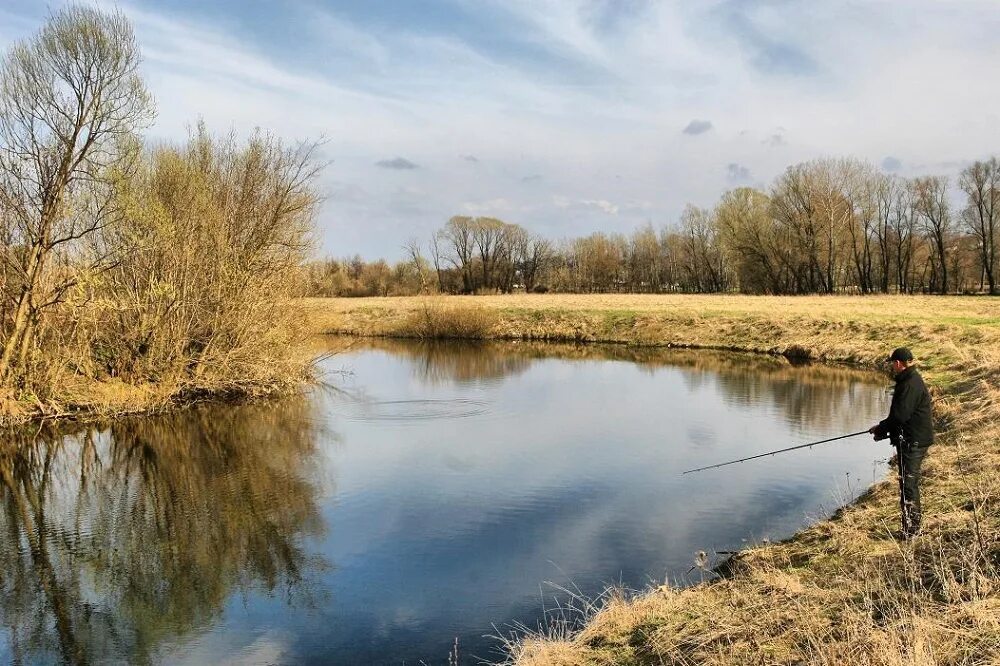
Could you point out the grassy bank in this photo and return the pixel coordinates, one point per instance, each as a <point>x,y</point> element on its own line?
<point>843,591</point>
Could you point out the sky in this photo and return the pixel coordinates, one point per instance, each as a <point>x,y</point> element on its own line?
<point>565,117</point>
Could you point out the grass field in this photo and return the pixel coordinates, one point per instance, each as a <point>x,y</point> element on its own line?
<point>844,591</point>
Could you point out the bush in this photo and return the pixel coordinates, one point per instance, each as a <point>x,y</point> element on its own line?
<point>208,249</point>
<point>435,321</point>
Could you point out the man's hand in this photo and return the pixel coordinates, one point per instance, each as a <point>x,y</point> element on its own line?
<point>878,432</point>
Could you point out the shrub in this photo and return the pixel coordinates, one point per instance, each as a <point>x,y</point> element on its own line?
<point>436,321</point>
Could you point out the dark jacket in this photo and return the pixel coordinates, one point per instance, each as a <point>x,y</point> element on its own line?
<point>910,413</point>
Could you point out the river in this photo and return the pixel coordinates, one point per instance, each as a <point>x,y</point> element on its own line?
<point>423,496</point>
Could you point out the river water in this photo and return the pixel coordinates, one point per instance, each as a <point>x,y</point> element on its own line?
<point>424,494</point>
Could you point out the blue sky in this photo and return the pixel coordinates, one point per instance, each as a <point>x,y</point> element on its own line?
<point>567,117</point>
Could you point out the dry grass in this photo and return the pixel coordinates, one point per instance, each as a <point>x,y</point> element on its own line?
<point>843,591</point>
<point>437,319</point>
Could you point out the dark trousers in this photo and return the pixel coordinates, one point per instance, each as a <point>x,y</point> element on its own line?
<point>910,460</point>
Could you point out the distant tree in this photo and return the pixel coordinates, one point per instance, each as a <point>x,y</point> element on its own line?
<point>931,203</point>
<point>458,237</point>
<point>904,236</point>
<point>860,192</point>
<point>416,256</point>
<point>981,183</point>
<point>435,247</point>
<point>644,257</point>
<point>488,238</point>
<point>704,259</point>
<point>757,246</point>
<point>534,256</point>
<point>886,191</point>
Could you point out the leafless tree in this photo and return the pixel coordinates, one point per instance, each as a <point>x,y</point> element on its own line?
<point>435,247</point>
<point>413,251</point>
<point>533,256</point>
<point>981,183</point>
<point>488,236</point>
<point>459,239</point>
<point>71,101</point>
<point>932,206</point>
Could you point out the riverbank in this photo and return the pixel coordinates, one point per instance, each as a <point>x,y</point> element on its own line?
<point>83,399</point>
<point>842,591</point>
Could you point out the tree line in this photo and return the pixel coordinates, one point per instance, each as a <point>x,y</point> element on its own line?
<point>822,227</point>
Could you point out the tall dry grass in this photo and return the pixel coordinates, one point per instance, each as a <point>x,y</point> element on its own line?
<point>436,319</point>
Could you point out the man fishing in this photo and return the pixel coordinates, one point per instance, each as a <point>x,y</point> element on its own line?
<point>908,427</point>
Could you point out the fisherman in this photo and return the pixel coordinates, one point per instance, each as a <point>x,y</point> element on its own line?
<point>908,427</point>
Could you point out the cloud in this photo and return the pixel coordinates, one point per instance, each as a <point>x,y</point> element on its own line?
<point>697,127</point>
<point>486,207</point>
<point>398,163</point>
<point>469,158</point>
<point>891,164</point>
<point>737,173</point>
<point>598,205</point>
<point>534,178</point>
<point>770,45</point>
<point>602,205</point>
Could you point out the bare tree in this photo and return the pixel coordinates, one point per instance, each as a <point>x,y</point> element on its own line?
<point>794,209</point>
<point>71,101</point>
<point>488,236</point>
<point>981,183</point>
<point>435,247</point>
<point>904,231</point>
<point>886,192</point>
<point>704,260</point>
<point>933,208</point>
<point>458,235</point>
<point>861,187</point>
<point>760,253</point>
<point>532,255</point>
<point>412,248</point>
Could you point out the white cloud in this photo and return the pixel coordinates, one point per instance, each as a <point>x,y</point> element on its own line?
<point>602,205</point>
<point>492,207</point>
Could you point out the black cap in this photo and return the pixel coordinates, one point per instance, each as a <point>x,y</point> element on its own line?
<point>901,354</point>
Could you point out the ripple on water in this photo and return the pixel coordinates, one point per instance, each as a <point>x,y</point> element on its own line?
<point>412,410</point>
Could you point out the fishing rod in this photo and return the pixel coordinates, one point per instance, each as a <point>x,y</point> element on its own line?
<point>771,453</point>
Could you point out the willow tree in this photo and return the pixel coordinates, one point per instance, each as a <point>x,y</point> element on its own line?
<point>71,102</point>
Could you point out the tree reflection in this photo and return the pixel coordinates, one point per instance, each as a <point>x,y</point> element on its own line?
<point>805,395</point>
<point>459,361</point>
<point>117,539</point>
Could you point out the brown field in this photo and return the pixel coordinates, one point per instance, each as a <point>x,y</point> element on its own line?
<point>844,591</point>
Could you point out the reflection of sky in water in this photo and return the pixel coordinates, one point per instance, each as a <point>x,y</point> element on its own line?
<point>563,472</point>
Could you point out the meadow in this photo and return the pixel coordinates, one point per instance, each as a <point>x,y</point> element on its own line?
<point>844,590</point>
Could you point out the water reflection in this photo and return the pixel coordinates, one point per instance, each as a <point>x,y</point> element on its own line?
<point>120,538</point>
<point>801,394</point>
<point>468,475</point>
